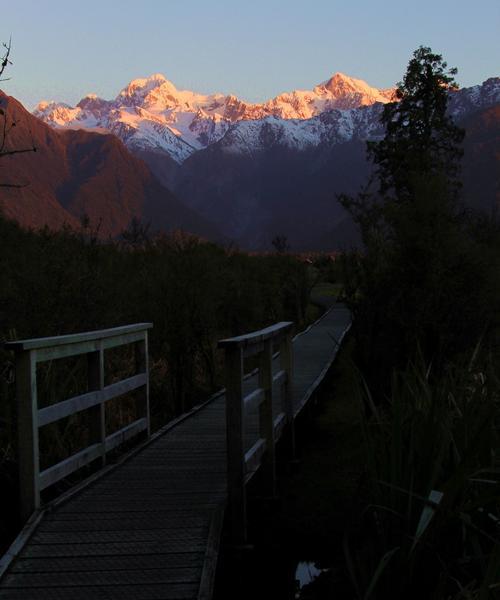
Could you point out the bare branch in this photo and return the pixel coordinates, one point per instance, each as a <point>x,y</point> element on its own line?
<point>4,60</point>
<point>4,127</point>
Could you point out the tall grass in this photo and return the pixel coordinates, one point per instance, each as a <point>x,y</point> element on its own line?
<point>430,527</point>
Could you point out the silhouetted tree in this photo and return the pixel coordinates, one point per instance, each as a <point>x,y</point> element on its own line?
<point>280,244</point>
<point>417,282</point>
<point>137,234</point>
<point>421,139</point>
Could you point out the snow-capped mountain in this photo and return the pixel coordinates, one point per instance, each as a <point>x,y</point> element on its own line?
<point>336,126</point>
<point>477,97</point>
<point>152,114</point>
<point>332,127</point>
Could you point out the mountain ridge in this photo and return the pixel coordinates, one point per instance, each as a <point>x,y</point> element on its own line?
<point>152,115</point>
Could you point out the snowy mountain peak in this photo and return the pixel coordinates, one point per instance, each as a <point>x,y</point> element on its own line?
<point>352,92</point>
<point>46,105</point>
<point>141,87</point>
<point>339,79</point>
<point>151,113</point>
<point>94,104</point>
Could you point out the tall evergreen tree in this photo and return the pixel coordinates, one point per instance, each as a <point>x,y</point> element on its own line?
<point>418,260</point>
<point>421,139</point>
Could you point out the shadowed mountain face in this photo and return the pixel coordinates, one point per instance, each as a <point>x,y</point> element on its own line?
<point>481,163</point>
<point>290,192</point>
<point>75,173</point>
<point>273,192</point>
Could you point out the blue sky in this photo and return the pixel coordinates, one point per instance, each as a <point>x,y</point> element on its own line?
<point>254,49</point>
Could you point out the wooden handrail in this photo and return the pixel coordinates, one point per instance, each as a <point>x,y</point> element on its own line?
<point>242,463</point>
<point>255,337</point>
<point>30,418</point>
<point>76,338</point>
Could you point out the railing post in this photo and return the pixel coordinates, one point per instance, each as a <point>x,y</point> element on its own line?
<point>97,414</point>
<point>28,454</point>
<point>266,421</point>
<point>142,366</point>
<point>235,447</point>
<point>286,364</point>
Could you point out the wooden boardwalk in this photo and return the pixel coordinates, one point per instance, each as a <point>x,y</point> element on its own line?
<point>150,528</point>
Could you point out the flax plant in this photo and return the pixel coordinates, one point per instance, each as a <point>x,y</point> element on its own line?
<point>431,523</point>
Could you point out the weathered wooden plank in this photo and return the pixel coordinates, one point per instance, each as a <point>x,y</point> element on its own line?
<point>92,564</point>
<point>205,492</point>
<point>157,521</point>
<point>174,546</point>
<point>163,512</point>
<point>137,480</point>
<point>235,418</point>
<point>124,434</point>
<point>101,537</point>
<point>27,430</point>
<point>110,577</point>
<point>279,425</point>
<point>280,377</point>
<point>180,502</point>
<point>172,487</point>
<point>207,578</point>
<point>69,465</point>
<point>173,591</point>
<point>253,456</point>
<point>63,409</point>
<point>142,366</point>
<point>266,426</point>
<point>252,400</point>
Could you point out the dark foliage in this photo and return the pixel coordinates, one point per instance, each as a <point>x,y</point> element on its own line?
<point>426,299</point>
<point>421,140</point>
<point>425,278</point>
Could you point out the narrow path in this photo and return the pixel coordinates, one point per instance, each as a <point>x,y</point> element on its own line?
<point>150,529</point>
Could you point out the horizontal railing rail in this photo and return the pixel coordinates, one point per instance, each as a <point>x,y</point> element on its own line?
<point>241,462</point>
<point>29,353</point>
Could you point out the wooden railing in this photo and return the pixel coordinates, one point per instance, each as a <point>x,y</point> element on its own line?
<point>30,418</point>
<point>241,462</point>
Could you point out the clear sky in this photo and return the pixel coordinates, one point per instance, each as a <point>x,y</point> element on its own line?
<point>255,49</point>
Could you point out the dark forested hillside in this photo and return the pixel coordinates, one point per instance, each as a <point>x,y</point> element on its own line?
<point>481,164</point>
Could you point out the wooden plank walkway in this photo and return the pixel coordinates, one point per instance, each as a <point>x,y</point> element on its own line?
<point>150,528</point>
